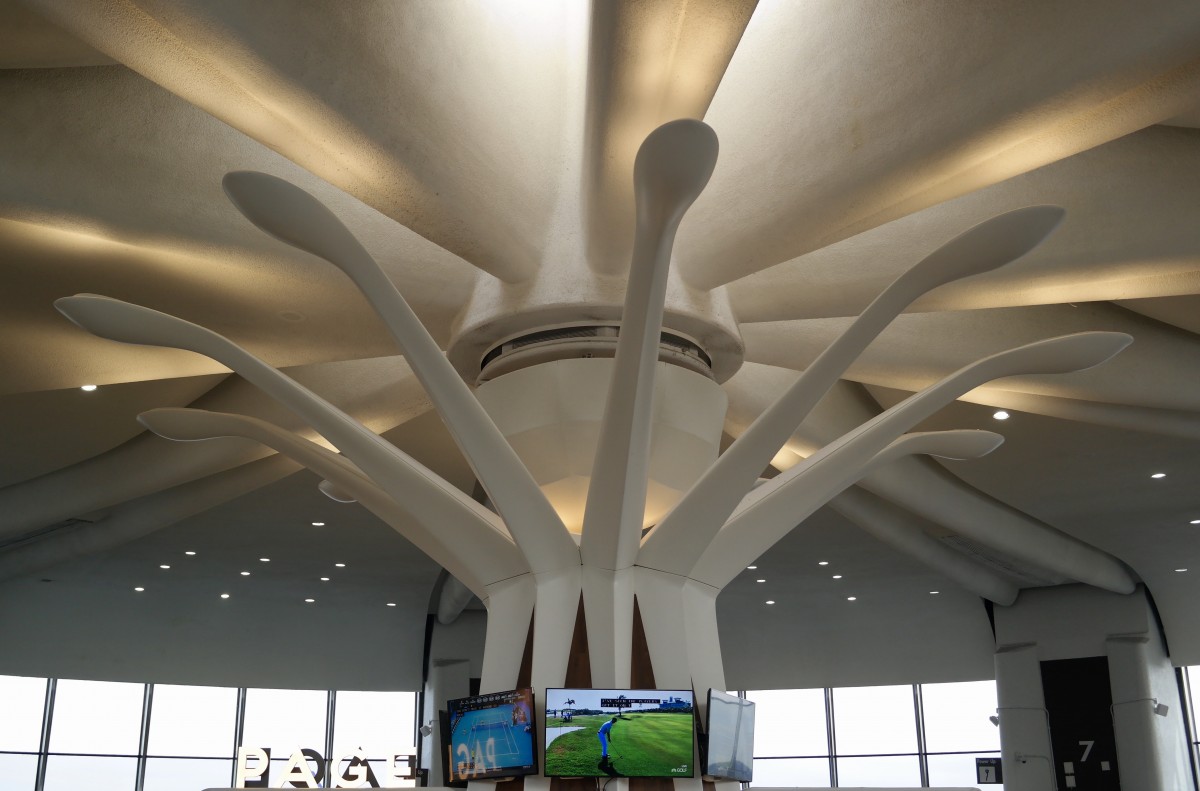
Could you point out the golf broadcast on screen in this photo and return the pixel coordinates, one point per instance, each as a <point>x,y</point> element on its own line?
<point>619,733</point>
<point>491,736</point>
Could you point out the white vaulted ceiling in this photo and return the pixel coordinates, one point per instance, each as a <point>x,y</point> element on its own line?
<point>479,148</point>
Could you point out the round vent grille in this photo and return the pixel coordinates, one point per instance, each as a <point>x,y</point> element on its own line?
<point>583,341</point>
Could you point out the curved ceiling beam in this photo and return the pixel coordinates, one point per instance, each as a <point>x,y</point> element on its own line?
<point>648,63</point>
<point>1182,312</point>
<point>104,481</point>
<point>46,431</point>
<point>857,443</point>
<point>1168,422</point>
<point>808,111</point>
<point>142,516</point>
<point>945,500</point>
<point>917,349</point>
<point>673,165</point>
<point>777,507</point>
<point>1131,234</point>
<point>453,598</point>
<point>439,521</point>
<point>988,245</point>
<point>390,468</point>
<point>378,394</point>
<point>470,170</point>
<point>335,493</point>
<point>903,531</point>
<point>293,216</point>
<point>934,494</point>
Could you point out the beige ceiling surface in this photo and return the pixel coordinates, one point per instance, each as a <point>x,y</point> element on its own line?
<point>28,41</point>
<point>1128,234</point>
<point>837,116</point>
<point>470,143</point>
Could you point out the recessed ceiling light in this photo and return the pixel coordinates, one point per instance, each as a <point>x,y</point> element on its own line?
<point>1195,522</point>
<point>770,601</point>
<point>934,593</point>
<point>309,601</point>
<point>318,524</point>
<point>1000,414</point>
<point>851,598</point>
<point>752,568</point>
<point>340,565</point>
<point>760,580</point>
<point>1159,475</point>
<point>265,560</point>
<point>164,566</point>
<point>324,579</point>
<point>139,590</point>
<point>837,576</point>
<point>1179,570</point>
<point>391,604</point>
<point>245,574</point>
<point>87,388</point>
<point>224,595</point>
<point>822,562</point>
<point>189,552</point>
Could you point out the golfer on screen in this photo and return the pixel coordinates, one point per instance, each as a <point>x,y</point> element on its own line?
<point>604,734</point>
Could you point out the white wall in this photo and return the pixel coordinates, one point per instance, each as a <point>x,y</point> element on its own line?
<point>92,630</point>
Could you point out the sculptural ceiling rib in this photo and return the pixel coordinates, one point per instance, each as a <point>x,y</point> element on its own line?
<point>483,155</point>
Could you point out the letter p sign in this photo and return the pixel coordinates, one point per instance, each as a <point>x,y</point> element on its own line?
<point>252,776</point>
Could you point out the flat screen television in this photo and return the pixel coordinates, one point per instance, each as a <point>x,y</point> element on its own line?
<point>491,736</point>
<point>619,733</point>
<point>727,750</point>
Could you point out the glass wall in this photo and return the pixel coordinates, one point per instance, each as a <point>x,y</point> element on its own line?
<point>66,734</point>
<point>900,736</point>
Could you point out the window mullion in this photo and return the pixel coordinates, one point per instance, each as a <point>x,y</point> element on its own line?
<point>330,711</point>
<point>239,729</point>
<point>144,736</point>
<point>830,738</point>
<point>919,714</point>
<point>44,743</point>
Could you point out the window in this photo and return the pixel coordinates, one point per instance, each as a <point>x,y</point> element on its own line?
<point>73,772</point>
<point>97,717</point>
<point>21,726</point>
<point>192,721</point>
<point>784,772</point>
<point>179,738</point>
<point>187,774</point>
<point>285,719</point>
<point>790,722</point>
<point>381,723</point>
<point>957,769</point>
<point>19,770</point>
<point>873,720</point>
<point>956,716</point>
<point>899,771</point>
<point>898,736</point>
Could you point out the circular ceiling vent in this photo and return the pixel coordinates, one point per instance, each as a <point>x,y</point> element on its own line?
<point>563,343</point>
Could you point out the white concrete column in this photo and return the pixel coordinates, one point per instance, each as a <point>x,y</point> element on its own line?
<point>1025,752</point>
<point>1077,622</point>
<point>1152,749</point>
<point>448,679</point>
